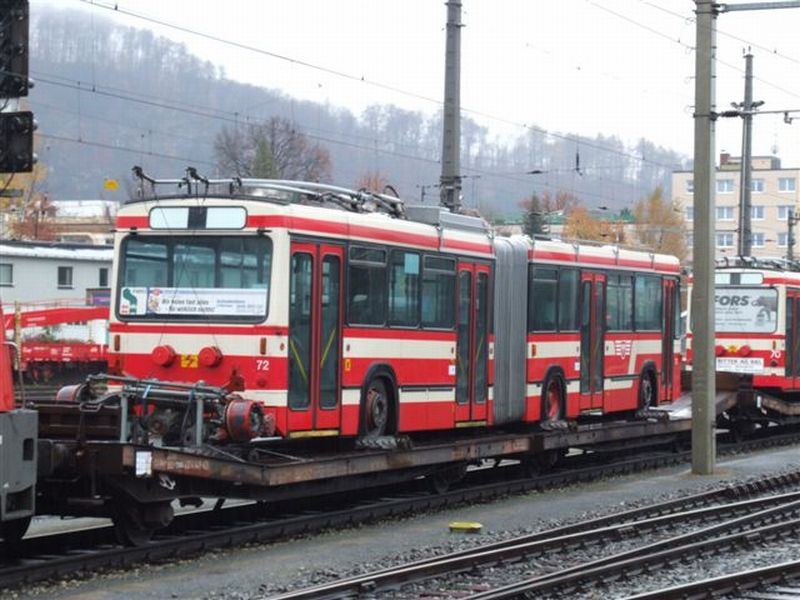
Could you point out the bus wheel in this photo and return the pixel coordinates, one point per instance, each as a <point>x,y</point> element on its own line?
<point>553,398</point>
<point>647,390</point>
<point>14,530</point>
<point>375,414</point>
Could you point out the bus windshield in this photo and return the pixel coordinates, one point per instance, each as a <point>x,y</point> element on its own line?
<point>194,277</point>
<point>746,309</point>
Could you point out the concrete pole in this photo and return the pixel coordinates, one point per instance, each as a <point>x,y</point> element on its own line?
<point>703,359</point>
<point>745,205</point>
<point>450,180</point>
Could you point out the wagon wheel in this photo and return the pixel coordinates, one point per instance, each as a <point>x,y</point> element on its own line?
<point>13,531</point>
<point>129,528</point>
<point>135,523</point>
<point>375,415</point>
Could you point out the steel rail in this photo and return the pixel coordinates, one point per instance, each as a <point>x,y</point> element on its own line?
<point>753,580</point>
<point>635,561</point>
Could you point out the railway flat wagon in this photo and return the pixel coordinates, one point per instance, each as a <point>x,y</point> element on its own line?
<point>273,339</point>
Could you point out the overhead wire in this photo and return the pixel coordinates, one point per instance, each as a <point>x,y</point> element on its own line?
<point>360,79</point>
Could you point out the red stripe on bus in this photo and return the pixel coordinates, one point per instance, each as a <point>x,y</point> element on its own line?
<point>467,246</point>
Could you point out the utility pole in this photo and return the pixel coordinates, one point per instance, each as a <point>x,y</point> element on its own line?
<point>450,181</point>
<point>703,358</point>
<point>745,210</point>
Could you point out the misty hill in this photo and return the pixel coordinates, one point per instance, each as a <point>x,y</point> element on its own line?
<point>108,97</point>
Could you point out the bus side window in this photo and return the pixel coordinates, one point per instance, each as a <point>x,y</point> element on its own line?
<point>542,300</point>
<point>438,292</point>
<point>366,298</point>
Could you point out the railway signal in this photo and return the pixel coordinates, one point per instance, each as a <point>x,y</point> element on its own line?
<point>16,142</point>
<point>14,24</point>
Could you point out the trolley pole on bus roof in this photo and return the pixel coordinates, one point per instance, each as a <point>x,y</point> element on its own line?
<point>450,181</point>
<point>703,358</point>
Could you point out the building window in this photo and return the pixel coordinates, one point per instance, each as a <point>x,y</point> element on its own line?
<point>782,237</point>
<point>724,213</point>
<point>690,213</point>
<point>758,240</point>
<point>786,184</point>
<point>690,186</point>
<point>690,240</point>
<point>65,277</point>
<point>756,185</point>
<point>725,240</point>
<point>103,280</point>
<point>757,212</point>
<point>6,274</point>
<point>724,186</point>
<point>783,212</point>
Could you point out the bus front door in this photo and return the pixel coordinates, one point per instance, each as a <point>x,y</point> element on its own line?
<point>315,318</point>
<point>668,336</point>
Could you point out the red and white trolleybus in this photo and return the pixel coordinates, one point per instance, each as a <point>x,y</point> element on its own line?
<point>757,322</point>
<point>350,313</point>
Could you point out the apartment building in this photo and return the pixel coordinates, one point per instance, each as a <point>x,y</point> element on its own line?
<point>774,192</point>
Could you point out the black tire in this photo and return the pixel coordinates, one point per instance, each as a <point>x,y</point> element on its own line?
<point>375,409</point>
<point>13,531</point>
<point>648,390</point>
<point>553,398</point>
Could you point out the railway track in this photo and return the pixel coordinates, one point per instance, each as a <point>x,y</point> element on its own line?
<point>776,582</point>
<point>65,554</point>
<point>597,533</point>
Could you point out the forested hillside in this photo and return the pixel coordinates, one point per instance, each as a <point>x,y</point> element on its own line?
<point>108,97</point>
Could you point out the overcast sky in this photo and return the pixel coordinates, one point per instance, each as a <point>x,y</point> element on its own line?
<point>615,67</point>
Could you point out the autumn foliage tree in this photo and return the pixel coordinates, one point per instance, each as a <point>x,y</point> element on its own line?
<point>582,225</point>
<point>275,149</point>
<point>659,226</point>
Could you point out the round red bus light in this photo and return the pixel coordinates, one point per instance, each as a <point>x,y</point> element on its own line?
<point>163,356</point>
<point>745,350</point>
<point>719,350</point>
<point>210,356</point>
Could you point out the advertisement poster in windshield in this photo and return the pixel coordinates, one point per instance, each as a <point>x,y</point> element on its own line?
<point>206,302</point>
<point>746,310</point>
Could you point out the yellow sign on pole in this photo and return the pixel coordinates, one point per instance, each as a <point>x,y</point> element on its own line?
<point>112,185</point>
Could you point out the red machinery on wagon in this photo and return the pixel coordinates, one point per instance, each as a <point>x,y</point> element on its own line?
<point>43,359</point>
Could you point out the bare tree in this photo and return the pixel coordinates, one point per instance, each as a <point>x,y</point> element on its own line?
<point>273,149</point>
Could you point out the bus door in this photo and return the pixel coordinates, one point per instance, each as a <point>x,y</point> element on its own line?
<point>593,327</point>
<point>669,288</point>
<point>315,324</point>
<point>472,342</point>
<point>792,355</point>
